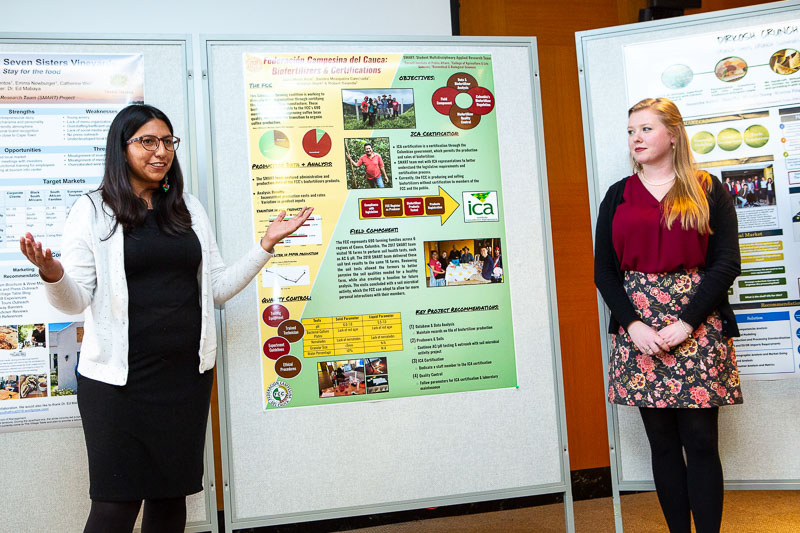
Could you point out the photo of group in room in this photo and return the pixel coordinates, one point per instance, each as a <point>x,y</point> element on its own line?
<point>463,262</point>
<point>750,187</point>
<point>341,378</point>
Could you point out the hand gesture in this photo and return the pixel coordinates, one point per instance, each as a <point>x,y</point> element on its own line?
<point>50,269</point>
<point>647,339</point>
<point>674,334</point>
<point>279,229</point>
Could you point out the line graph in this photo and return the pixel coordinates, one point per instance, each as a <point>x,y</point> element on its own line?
<point>285,276</point>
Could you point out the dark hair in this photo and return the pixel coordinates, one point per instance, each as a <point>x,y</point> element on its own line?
<point>171,212</point>
<point>368,144</point>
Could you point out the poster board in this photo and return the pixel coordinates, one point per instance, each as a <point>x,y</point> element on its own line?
<point>54,460</point>
<point>756,438</point>
<point>427,450</point>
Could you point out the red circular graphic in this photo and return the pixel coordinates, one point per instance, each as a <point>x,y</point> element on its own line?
<point>275,314</point>
<point>443,99</point>
<point>276,347</point>
<point>482,100</point>
<point>316,143</point>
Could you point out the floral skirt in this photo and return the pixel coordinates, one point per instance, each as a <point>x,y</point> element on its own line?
<point>701,372</point>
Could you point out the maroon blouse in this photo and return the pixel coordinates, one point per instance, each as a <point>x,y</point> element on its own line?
<point>642,241</point>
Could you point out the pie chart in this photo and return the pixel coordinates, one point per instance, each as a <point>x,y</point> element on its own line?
<point>274,144</point>
<point>316,143</point>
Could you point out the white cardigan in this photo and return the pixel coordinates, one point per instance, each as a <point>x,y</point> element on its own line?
<point>94,281</point>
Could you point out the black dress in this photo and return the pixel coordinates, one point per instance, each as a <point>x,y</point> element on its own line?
<point>145,439</point>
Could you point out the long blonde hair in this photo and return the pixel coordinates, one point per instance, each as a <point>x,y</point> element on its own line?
<point>687,197</point>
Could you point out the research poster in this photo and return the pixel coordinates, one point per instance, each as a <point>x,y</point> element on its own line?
<point>739,92</point>
<point>398,284</point>
<point>55,110</point>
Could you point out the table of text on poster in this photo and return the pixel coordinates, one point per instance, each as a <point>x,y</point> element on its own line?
<point>352,334</point>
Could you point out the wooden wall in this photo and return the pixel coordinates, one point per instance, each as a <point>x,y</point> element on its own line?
<point>554,23</point>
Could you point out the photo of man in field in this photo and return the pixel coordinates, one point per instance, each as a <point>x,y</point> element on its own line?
<point>372,169</point>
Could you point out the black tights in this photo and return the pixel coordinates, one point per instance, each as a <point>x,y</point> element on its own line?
<point>693,485</point>
<point>160,516</point>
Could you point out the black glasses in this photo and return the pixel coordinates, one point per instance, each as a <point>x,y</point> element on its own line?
<point>151,142</point>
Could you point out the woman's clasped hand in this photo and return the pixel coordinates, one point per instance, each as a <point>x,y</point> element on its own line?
<point>652,341</point>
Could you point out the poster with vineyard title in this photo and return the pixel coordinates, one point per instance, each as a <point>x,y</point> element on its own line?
<point>397,284</point>
<point>739,92</point>
<point>55,111</point>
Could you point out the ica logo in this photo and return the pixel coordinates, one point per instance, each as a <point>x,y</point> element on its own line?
<point>480,206</point>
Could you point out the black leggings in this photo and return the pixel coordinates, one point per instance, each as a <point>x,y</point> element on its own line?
<point>690,488</point>
<point>160,516</point>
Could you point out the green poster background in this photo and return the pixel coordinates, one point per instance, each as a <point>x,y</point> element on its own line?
<point>455,338</point>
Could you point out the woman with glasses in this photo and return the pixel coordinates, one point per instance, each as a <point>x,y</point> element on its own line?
<point>140,259</point>
<point>666,253</point>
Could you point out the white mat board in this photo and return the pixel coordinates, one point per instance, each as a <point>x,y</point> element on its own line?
<point>57,495</point>
<point>443,448</point>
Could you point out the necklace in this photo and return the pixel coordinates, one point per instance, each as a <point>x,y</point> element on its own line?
<point>652,184</point>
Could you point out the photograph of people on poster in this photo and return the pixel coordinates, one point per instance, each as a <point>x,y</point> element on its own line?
<point>369,163</point>
<point>463,262</point>
<point>751,185</point>
<point>341,378</point>
<point>750,188</point>
<point>378,109</point>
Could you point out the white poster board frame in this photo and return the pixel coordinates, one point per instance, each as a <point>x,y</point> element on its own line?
<point>61,453</point>
<point>241,448</point>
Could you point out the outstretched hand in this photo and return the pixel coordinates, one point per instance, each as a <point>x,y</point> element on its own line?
<point>279,229</point>
<point>49,268</point>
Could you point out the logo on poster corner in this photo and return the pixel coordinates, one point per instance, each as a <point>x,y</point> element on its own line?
<point>279,394</point>
<point>480,206</point>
